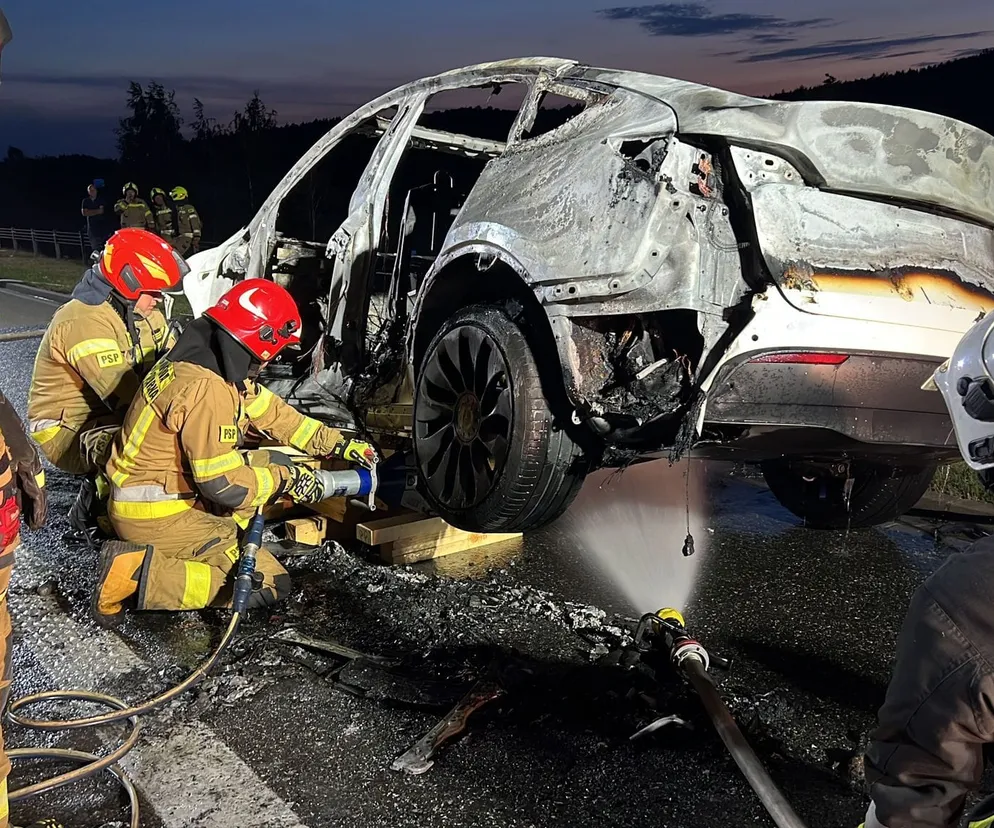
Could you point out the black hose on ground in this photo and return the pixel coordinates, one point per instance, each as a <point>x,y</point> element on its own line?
<point>745,757</point>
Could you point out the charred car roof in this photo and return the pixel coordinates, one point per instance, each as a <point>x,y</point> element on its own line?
<point>870,149</point>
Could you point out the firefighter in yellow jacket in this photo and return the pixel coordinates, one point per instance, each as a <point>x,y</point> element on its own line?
<point>164,215</point>
<point>91,359</point>
<point>181,490</point>
<point>134,211</point>
<point>189,226</point>
<point>22,492</point>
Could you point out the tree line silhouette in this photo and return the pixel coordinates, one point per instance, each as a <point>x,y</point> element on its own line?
<point>230,168</point>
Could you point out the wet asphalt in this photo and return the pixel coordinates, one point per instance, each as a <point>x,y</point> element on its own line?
<point>807,619</point>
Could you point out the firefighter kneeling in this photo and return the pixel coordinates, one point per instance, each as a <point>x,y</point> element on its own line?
<point>181,491</point>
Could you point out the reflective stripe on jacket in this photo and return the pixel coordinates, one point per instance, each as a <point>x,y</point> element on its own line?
<point>135,214</point>
<point>87,365</point>
<point>181,436</point>
<point>189,220</point>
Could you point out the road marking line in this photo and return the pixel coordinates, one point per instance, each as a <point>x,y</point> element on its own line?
<point>189,776</point>
<point>229,793</point>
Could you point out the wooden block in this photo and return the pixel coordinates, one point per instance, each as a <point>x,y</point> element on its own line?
<point>451,541</point>
<point>397,527</point>
<point>336,509</point>
<point>402,536</point>
<point>311,531</point>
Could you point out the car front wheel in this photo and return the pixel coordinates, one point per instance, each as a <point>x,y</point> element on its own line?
<point>875,495</point>
<point>490,453</point>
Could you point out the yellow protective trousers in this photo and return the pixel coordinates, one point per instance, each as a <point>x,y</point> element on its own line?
<point>194,554</point>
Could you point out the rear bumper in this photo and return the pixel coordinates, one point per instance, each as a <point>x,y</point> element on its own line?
<point>872,403</point>
<point>872,398</point>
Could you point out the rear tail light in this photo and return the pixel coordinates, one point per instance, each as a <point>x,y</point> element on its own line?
<point>803,358</point>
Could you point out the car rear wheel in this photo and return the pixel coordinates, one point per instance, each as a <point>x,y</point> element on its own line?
<point>491,456</point>
<point>876,494</point>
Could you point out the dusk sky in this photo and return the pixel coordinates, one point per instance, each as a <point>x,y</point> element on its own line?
<point>66,72</point>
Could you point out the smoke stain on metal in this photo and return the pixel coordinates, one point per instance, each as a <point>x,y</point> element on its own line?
<point>903,281</point>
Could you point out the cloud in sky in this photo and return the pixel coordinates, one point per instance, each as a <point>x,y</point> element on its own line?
<point>757,34</point>
<point>66,75</point>
<point>697,20</point>
<point>857,48</point>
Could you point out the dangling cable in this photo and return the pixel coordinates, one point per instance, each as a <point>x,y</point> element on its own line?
<point>688,542</point>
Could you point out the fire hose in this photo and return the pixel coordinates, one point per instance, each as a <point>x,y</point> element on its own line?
<point>692,661</point>
<point>350,483</point>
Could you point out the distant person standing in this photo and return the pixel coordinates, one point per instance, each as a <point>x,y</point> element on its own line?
<point>134,211</point>
<point>188,222</point>
<point>164,215</point>
<point>94,209</point>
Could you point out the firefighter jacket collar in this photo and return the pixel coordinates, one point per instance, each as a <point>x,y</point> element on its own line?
<point>205,344</point>
<point>93,288</point>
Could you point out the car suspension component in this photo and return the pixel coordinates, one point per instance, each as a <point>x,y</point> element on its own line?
<point>667,629</point>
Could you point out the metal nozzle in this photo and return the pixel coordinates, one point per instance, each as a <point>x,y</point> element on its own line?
<point>668,628</point>
<point>348,483</point>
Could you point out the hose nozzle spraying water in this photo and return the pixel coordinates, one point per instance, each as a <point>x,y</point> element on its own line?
<point>668,628</point>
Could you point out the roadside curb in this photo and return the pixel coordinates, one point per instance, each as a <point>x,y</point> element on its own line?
<point>955,505</point>
<point>933,504</point>
<point>31,290</point>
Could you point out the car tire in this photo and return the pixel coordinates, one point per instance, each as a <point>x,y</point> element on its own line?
<point>877,495</point>
<point>490,453</point>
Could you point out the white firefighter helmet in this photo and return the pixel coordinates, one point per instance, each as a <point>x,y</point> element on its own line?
<point>966,382</point>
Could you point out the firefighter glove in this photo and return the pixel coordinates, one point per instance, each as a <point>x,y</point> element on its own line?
<point>34,498</point>
<point>356,451</point>
<point>304,486</point>
<point>26,466</point>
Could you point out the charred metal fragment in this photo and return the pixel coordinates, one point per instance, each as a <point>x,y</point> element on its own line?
<point>635,373</point>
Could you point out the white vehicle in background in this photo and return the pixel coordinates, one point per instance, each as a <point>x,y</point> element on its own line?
<point>668,268</point>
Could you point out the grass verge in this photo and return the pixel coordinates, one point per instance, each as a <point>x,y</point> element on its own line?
<point>959,480</point>
<point>41,271</point>
<point>58,274</point>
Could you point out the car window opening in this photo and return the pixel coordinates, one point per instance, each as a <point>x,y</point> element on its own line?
<point>308,216</point>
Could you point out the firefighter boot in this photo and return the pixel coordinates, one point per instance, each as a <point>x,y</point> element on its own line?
<point>120,569</point>
<point>84,526</point>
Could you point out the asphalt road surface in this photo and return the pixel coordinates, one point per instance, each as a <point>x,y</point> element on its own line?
<point>19,309</point>
<point>285,737</point>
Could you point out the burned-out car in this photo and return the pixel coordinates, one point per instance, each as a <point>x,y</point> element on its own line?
<point>663,268</point>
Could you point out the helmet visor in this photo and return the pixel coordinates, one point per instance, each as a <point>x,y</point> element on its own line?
<point>184,269</point>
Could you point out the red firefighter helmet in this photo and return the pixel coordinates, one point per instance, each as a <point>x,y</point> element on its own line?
<point>135,262</point>
<point>261,315</point>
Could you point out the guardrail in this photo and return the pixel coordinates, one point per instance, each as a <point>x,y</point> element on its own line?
<point>51,242</point>
<point>46,242</point>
